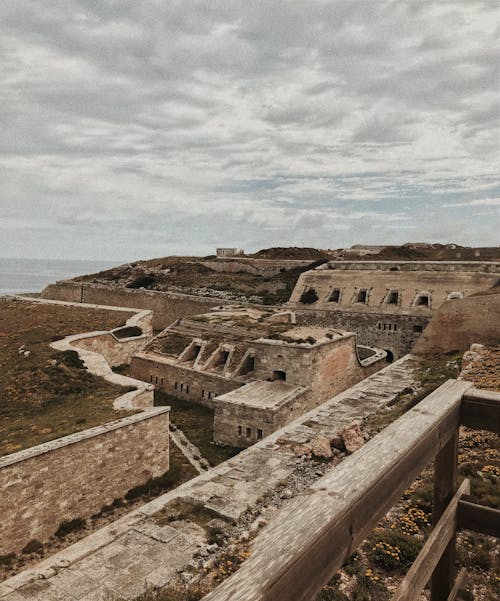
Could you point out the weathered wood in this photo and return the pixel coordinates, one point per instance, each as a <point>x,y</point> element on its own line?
<point>478,518</point>
<point>457,587</point>
<point>430,555</point>
<point>299,552</point>
<point>445,485</point>
<point>481,410</point>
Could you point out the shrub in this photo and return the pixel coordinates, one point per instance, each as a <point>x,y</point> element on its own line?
<point>69,526</point>
<point>394,549</point>
<point>34,546</point>
<point>6,560</point>
<point>142,281</point>
<point>369,588</point>
<point>71,359</point>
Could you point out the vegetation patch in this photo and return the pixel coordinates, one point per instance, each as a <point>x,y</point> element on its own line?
<point>69,526</point>
<point>47,394</point>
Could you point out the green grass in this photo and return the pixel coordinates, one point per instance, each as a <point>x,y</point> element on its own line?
<point>196,421</point>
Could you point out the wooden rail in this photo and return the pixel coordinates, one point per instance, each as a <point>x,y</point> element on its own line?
<point>311,537</point>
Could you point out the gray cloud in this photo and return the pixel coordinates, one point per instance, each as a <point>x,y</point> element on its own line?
<point>146,128</point>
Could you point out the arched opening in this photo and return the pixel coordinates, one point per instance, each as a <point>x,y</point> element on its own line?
<point>390,356</point>
<point>278,375</point>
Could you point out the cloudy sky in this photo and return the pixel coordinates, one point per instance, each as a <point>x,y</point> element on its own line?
<point>132,129</point>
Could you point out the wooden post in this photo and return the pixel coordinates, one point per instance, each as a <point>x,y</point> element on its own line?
<point>445,486</point>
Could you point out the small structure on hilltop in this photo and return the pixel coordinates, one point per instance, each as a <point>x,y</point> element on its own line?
<point>256,368</point>
<point>223,253</point>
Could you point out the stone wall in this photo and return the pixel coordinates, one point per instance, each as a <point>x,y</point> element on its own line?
<point>266,267</point>
<point>327,369</point>
<point>340,289</point>
<point>460,323</point>
<point>394,333</point>
<point>441,266</point>
<point>183,382</point>
<point>116,351</point>
<point>167,307</point>
<point>240,426</point>
<point>74,476</point>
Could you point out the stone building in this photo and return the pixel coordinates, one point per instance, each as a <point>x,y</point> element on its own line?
<point>229,252</point>
<point>256,368</point>
<point>388,304</point>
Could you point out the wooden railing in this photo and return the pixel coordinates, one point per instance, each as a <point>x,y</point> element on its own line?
<point>302,549</point>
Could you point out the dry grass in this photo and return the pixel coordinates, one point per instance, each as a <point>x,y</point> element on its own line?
<point>49,394</point>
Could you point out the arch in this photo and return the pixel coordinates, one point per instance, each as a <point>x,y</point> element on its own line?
<point>390,356</point>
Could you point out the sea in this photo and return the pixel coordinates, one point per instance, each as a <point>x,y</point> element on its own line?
<point>18,276</point>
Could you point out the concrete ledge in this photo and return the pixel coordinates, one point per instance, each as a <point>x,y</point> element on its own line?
<point>77,437</point>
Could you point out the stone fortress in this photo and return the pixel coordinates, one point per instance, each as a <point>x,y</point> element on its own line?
<point>277,377</point>
<point>389,303</point>
<point>256,368</point>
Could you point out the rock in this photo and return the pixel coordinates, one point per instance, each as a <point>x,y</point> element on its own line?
<point>27,353</point>
<point>352,436</point>
<point>213,547</point>
<point>259,523</point>
<point>320,447</point>
<point>476,348</point>
<point>286,493</point>
<point>303,450</point>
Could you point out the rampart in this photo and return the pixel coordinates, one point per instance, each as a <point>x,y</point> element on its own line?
<point>410,292</point>
<point>74,476</point>
<point>396,334</point>
<point>441,266</point>
<point>167,307</point>
<point>266,267</point>
<point>458,324</point>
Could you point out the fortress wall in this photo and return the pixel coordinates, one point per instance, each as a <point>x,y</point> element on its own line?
<point>441,266</point>
<point>116,351</point>
<point>409,284</point>
<point>229,417</point>
<point>74,476</point>
<point>460,323</point>
<point>395,333</point>
<point>167,307</point>
<point>327,369</point>
<point>195,384</point>
<point>266,267</point>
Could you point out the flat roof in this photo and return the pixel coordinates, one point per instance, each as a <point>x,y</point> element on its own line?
<point>262,394</point>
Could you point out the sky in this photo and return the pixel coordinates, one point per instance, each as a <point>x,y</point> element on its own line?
<point>138,129</point>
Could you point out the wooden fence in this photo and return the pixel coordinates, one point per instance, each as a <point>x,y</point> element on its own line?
<point>311,537</point>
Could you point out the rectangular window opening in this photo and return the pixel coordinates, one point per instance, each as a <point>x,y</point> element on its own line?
<point>362,296</point>
<point>334,296</point>
<point>393,298</point>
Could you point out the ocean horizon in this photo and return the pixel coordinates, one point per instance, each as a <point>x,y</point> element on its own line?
<point>18,276</point>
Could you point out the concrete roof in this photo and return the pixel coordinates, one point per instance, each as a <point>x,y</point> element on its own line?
<point>262,394</point>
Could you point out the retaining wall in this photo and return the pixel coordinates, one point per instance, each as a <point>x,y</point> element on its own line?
<point>167,307</point>
<point>74,476</point>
